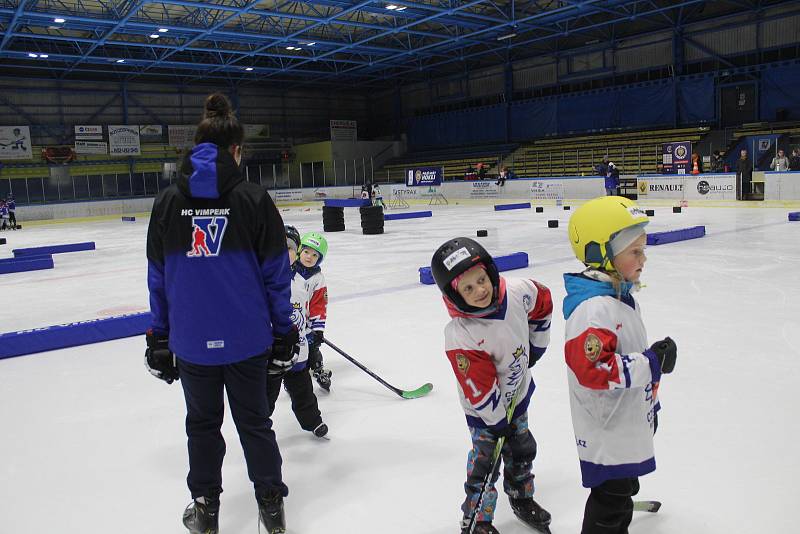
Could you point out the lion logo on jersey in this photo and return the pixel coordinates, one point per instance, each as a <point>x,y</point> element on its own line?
<point>592,347</point>
<point>463,364</point>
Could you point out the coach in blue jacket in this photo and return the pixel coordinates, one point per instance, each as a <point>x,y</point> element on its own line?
<point>219,280</point>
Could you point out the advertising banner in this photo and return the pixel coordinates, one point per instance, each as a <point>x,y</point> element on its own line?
<point>89,132</point>
<point>123,140</point>
<point>91,147</point>
<point>688,187</point>
<point>181,136</point>
<point>676,158</point>
<point>344,130</point>
<point>282,196</point>
<point>15,142</point>
<point>484,190</point>
<point>424,176</point>
<point>151,132</point>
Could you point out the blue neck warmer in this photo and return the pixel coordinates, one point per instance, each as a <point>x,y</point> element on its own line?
<point>581,287</point>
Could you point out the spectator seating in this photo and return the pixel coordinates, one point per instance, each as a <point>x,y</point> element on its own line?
<point>454,161</point>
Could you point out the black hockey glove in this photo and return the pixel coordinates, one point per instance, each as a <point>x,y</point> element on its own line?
<point>284,350</point>
<point>505,431</point>
<point>667,352</point>
<point>314,339</point>
<point>158,359</point>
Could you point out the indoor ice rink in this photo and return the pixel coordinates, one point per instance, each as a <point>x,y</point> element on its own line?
<point>90,424</point>
<point>391,127</point>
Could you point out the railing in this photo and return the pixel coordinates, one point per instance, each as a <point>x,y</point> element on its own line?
<point>59,186</point>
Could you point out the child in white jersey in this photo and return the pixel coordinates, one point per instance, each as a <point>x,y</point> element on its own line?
<point>313,250</point>
<point>613,375</point>
<point>499,329</point>
<point>297,380</point>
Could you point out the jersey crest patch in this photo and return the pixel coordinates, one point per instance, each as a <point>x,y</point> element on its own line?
<point>463,364</point>
<point>592,347</point>
<point>207,234</point>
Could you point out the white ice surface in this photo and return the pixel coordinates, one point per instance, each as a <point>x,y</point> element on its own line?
<point>91,443</point>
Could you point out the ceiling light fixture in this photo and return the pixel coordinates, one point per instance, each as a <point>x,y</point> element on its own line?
<point>507,36</point>
<point>43,56</point>
<point>163,30</point>
<point>31,54</point>
<point>154,36</point>
<point>291,48</point>
<point>59,21</point>
<point>391,7</point>
<point>401,8</point>
<point>311,44</point>
<point>120,61</point>
<point>248,69</point>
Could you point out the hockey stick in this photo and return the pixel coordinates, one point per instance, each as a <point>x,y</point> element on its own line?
<point>646,506</point>
<point>413,394</point>
<point>487,480</point>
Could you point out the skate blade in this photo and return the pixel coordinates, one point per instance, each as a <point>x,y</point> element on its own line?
<point>544,528</point>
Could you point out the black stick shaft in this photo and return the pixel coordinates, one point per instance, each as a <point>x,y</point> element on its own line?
<point>362,367</point>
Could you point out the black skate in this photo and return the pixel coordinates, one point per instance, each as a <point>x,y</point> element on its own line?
<point>270,513</point>
<point>323,377</point>
<point>202,516</point>
<point>481,527</point>
<point>533,515</point>
<point>321,431</point>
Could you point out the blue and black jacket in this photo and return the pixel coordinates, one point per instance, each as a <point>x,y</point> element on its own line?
<point>218,267</point>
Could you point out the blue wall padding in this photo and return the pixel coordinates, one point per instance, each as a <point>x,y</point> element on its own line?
<point>25,264</point>
<point>794,216</point>
<point>520,206</point>
<point>662,238</point>
<point>54,249</point>
<point>73,334</point>
<point>347,202</point>
<point>516,260</point>
<point>409,215</point>
<point>24,258</point>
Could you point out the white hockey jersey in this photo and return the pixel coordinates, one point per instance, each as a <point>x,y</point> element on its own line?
<point>613,379</point>
<point>491,355</point>
<point>300,300</point>
<point>317,290</point>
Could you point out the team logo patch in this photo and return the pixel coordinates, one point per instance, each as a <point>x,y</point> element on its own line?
<point>207,234</point>
<point>526,302</point>
<point>463,363</point>
<point>592,347</point>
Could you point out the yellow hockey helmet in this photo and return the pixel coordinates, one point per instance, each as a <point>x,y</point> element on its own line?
<point>595,224</point>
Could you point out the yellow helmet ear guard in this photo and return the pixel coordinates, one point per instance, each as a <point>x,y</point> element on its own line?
<point>595,224</point>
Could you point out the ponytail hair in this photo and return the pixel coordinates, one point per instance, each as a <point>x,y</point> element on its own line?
<point>219,125</point>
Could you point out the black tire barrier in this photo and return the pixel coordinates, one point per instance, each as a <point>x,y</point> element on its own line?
<point>539,209</point>
<point>552,223</point>
<point>566,208</point>
<point>333,220</point>
<point>372,219</point>
<point>370,209</point>
<point>372,231</point>
<point>369,224</point>
<point>333,227</point>
<point>483,233</point>
<point>2,240</point>
<point>326,210</point>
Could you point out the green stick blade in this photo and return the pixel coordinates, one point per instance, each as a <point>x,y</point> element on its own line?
<point>417,393</point>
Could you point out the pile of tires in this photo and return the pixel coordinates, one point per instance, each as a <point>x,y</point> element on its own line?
<point>372,220</point>
<point>332,219</point>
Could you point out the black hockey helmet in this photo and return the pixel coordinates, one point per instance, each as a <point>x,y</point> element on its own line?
<point>292,237</point>
<point>456,257</point>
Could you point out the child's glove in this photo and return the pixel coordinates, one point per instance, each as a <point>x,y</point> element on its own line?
<point>284,349</point>
<point>158,359</point>
<point>667,352</point>
<point>314,339</point>
<point>505,431</point>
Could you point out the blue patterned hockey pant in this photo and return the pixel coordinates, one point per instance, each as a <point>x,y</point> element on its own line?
<point>518,454</point>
